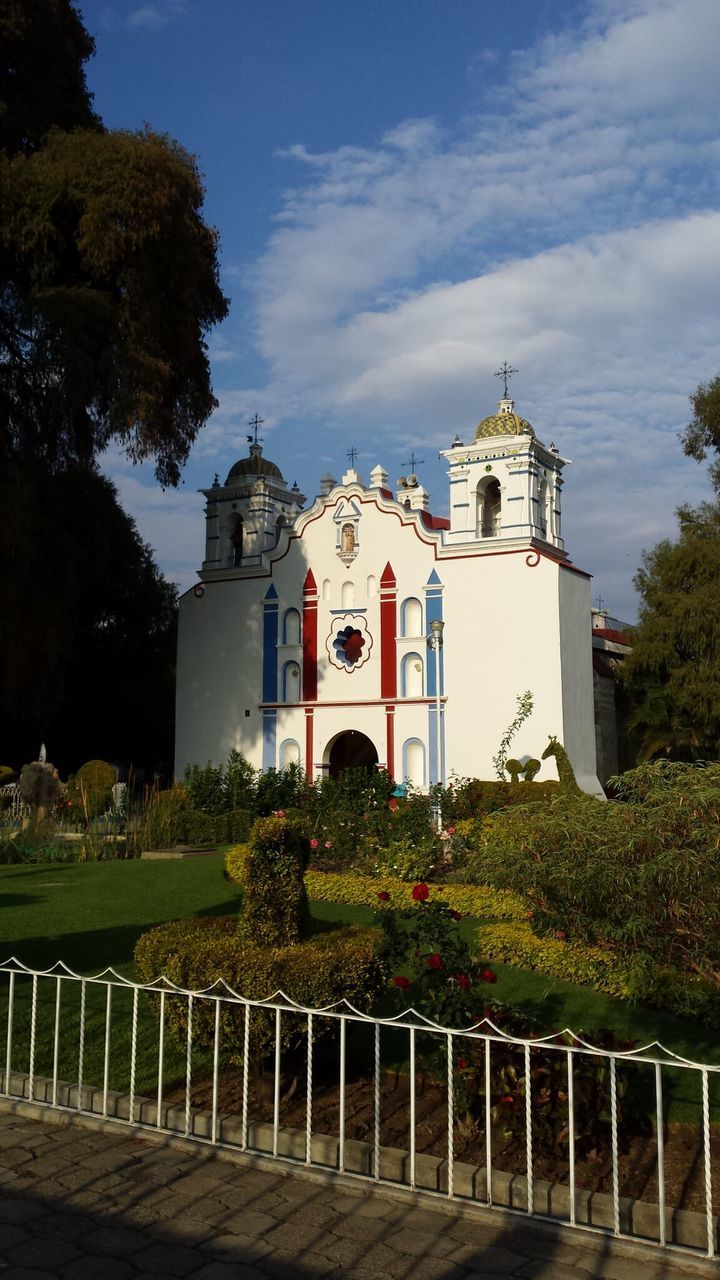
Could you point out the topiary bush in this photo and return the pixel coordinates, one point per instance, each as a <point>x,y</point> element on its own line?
<point>471,798</point>
<point>275,906</point>
<point>327,967</point>
<point>93,784</point>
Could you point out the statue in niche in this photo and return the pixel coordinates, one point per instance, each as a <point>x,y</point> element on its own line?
<point>347,538</point>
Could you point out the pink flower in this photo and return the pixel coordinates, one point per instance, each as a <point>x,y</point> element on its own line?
<point>420,893</point>
<point>383,896</point>
<point>328,844</point>
<point>314,843</point>
<point>560,934</point>
<point>279,813</point>
<point>402,982</point>
<point>451,831</point>
<point>434,961</point>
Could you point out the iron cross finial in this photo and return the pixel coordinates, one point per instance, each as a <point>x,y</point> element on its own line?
<point>352,454</point>
<point>256,424</point>
<point>413,462</point>
<point>505,372</point>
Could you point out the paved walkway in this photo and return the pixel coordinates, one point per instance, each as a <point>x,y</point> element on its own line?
<point>89,1204</point>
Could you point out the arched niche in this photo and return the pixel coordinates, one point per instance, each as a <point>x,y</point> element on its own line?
<point>411,617</point>
<point>371,586</point>
<point>291,682</point>
<point>326,589</point>
<point>347,595</point>
<point>289,753</point>
<point>291,627</point>
<point>236,539</point>
<point>412,671</point>
<point>413,762</point>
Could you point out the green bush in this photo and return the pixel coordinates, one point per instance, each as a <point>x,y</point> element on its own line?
<point>643,878</point>
<point>327,967</point>
<point>626,977</point>
<point>92,785</point>
<point>275,907</point>
<point>281,789</point>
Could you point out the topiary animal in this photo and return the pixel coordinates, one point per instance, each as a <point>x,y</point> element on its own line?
<point>566,773</point>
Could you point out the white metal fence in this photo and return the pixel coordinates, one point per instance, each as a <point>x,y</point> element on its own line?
<point>157,1056</point>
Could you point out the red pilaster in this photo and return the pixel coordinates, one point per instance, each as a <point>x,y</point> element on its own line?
<point>388,633</point>
<point>309,716</point>
<point>310,628</point>
<point>390,737</point>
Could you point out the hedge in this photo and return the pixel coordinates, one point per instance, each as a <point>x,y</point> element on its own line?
<point>686,995</point>
<point>331,965</point>
<point>362,891</point>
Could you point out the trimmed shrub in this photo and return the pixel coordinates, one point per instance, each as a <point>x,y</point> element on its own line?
<point>93,784</point>
<point>686,995</point>
<point>472,798</point>
<point>275,907</point>
<point>362,891</point>
<point>327,967</point>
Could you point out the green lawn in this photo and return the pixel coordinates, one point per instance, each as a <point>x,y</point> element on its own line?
<point>90,915</point>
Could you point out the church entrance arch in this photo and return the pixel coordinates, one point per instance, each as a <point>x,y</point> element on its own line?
<point>350,750</point>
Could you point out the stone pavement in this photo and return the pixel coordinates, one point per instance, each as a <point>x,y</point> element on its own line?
<point>87,1203</point>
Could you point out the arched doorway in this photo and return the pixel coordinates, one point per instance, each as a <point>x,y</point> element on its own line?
<point>351,750</point>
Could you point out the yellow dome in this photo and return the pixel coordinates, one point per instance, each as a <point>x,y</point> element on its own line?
<point>504,423</point>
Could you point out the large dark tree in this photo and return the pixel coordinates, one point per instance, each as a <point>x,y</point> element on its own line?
<point>87,638</point>
<point>108,287</point>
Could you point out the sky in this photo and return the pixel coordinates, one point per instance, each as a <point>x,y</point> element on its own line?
<point>409,193</point>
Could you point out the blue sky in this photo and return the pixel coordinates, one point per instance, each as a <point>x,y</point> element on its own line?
<point>410,192</point>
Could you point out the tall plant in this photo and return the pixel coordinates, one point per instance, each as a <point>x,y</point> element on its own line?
<point>524,711</point>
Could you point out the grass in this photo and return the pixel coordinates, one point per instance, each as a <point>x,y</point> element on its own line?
<point>89,915</point>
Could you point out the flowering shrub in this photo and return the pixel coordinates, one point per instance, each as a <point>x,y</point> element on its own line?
<point>430,959</point>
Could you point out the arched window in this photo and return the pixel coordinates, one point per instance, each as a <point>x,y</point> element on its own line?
<point>489,507</point>
<point>291,627</point>
<point>291,682</point>
<point>347,595</point>
<point>411,676</point>
<point>413,762</point>
<point>279,526</point>
<point>326,589</point>
<point>371,586</point>
<point>411,617</point>
<point>289,753</point>
<point>237,542</point>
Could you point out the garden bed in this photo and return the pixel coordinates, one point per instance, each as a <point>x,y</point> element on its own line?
<point>683,1150</point>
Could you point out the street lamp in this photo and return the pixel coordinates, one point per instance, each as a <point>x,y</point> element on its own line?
<point>437,627</point>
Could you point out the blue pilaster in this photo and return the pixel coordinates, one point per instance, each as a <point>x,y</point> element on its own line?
<point>270,643</point>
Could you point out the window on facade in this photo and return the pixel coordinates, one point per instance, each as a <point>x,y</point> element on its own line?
<point>326,589</point>
<point>411,617</point>
<point>347,595</point>
<point>237,542</point>
<point>371,586</point>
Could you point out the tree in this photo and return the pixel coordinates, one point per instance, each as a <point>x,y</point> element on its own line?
<point>703,433</point>
<point>108,274</point>
<point>673,672</point>
<point>87,641</point>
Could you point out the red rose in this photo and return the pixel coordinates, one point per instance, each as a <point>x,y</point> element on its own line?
<point>314,843</point>
<point>383,896</point>
<point>434,961</point>
<point>279,813</point>
<point>420,893</point>
<point>508,1099</point>
<point>455,915</point>
<point>451,831</point>
<point>461,1064</point>
<point>529,915</point>
<point>464,982</point>
<point>402,982</point>
<point>487,975</point>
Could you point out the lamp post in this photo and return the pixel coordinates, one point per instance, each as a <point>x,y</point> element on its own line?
<point>436,642</point>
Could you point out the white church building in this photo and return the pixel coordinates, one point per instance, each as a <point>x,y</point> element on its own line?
<point>362,630</point>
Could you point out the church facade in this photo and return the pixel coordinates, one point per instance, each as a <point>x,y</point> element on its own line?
<point>363,630</point>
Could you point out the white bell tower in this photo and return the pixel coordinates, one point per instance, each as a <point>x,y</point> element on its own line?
<point>505,485</point>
